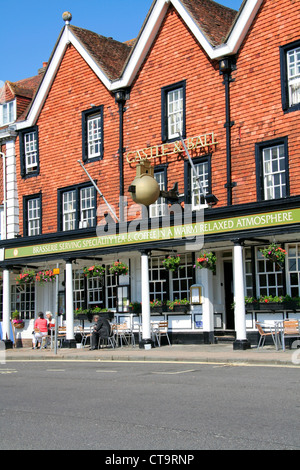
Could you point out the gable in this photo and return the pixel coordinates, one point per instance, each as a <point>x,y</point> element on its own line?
<point>219,31</point>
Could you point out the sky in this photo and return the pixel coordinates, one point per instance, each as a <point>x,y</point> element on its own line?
<point>30,29</point>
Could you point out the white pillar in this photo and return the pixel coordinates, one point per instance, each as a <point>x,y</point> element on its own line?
<point>207,306</point>
<point>69,305</point>
<point>241,341</point>
<point>6,306</point>
<point>146,330</point>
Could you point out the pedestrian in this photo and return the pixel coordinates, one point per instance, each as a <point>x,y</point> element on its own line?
<point>40,330</point>
<point>101,329</point>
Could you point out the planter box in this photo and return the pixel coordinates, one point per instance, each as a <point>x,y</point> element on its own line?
<point>273,306</point>
<point>156,309</point>
<point>180,309</point>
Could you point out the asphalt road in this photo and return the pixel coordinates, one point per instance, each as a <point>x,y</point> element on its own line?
<point>115,406</point>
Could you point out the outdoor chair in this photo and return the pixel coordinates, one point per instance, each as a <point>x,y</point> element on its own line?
<point>161,330</point>
<point>263,335</point>
<point>105,341</point>
<point>290,329</point>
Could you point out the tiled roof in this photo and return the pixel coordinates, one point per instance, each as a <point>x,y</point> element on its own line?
<point>213,19</point>
<point>110,55</point>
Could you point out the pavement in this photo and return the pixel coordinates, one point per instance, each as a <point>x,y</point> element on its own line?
<point>180,353</point>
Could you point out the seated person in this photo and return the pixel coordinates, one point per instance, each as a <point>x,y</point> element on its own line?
<point>40,324</point>
<point>101,329</point>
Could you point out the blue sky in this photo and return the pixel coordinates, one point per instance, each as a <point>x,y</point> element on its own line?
<point>29,29</point>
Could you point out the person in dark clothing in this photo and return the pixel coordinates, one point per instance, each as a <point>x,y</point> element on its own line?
<point>101,329</point>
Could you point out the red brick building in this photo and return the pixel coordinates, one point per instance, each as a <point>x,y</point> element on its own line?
<point>229,83</point>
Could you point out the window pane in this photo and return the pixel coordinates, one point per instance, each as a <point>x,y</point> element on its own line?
<point>30,145</point>
<point>175,112</point>
<point>33,214</point>
<point>94,131</point>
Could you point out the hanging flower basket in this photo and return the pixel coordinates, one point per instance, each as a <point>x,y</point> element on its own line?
<point>26,277</point>
<point>206,260</point>
<point>274,253</point>
<point>171,263</point>
<point>94,271</point>
<point>44,277</point>
<point>119,268</point>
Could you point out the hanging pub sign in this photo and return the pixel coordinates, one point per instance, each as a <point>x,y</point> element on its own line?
<point>206,141</point>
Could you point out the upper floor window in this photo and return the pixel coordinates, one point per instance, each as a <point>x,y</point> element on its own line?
<point>7,113</point>
<point>32,215</point>
<point>159,207</point>
<point>77,207</point>
<point>194,191</point>
<point>92,134</point>
<point>173,111</point>
<point>272,170</point>
<point>29,152</point>
<point>290,76</point>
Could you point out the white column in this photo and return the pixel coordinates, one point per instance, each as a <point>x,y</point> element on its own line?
<point>6,306</point>
<point>12,212</point>
<point>207,306</point>
<point>241,341</point>
<point>146,330</point>
<point>69,302</point>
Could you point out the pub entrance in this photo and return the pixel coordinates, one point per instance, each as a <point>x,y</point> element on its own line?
<point>229,295</point>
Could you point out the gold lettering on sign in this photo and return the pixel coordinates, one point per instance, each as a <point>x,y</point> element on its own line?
<point>166,150</point>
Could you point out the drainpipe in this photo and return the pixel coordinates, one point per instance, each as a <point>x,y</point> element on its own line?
<point>121,96</point>
<point>227,65</point>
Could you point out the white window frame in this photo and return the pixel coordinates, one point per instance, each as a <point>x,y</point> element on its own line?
<point>175,105</point>
<point>94,135</point>
<point>270,271</point>
<point>31,153</point>
<point>34,216</point>
<point>87,207</point>
<point>202,170</point>
<point>274,172</point>
<point>158,209</point>
<point>7,113</point>
<point>69,210</point>
<point>293,75</point>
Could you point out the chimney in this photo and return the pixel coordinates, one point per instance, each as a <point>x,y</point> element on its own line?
<point>42,70</point>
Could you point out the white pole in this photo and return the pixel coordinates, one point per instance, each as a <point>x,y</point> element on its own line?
<point>146,330</point>
<point>6,306</point>
<point>239,298</point>
<point>69,302</point>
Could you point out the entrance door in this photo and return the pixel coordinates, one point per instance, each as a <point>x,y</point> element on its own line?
<point>229,297</point>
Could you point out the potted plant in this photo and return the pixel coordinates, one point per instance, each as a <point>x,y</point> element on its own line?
<point>274,253</point>
<point>94,271</point>
<point>171,263</point>
<point>178,305</point>
<point>44,277</point>
<point>156,306</point>
<point>16,320</point>
<point>269,302</point>
<point>136,307</point>
<point>119,268</point>
<point>206,260</point>
<point>25,277</point>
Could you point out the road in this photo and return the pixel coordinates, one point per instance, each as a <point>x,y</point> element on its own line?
<point>147,406</point>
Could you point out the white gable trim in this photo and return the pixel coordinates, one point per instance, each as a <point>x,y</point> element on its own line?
<point>144,43</point>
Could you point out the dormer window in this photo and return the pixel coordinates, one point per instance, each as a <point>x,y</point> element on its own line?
<point>7,113</point>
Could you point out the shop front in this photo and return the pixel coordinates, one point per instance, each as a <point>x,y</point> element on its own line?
<point>196,300</point>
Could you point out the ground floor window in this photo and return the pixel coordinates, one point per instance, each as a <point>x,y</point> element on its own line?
<point>293,269</point>
<point>94,291</point>
<point>269,277</point>
<point>168,285</point>
<point>23,300</point>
